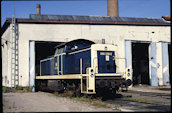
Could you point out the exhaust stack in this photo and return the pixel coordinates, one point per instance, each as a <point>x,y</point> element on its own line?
<point>112,6</point>
<point>38,9</point>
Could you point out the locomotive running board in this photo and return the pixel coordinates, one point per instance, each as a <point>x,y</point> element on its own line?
<point>77,76</point>
<point>89,81</point>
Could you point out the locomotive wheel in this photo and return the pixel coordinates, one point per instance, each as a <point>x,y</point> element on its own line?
<point>78,91</point>
<point>70,89</point>
<point>37,86</point>
<point>114,92</point>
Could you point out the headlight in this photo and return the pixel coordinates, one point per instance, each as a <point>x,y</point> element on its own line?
<point>92,75</point>
<point>128,74</point>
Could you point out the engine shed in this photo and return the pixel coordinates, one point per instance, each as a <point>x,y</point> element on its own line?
<point>143,45</point>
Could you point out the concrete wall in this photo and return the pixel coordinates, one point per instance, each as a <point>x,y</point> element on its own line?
<point>6,57</point>
<point>114,34</point>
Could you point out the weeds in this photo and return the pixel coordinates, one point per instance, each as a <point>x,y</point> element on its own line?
<point>143,100</point>
<point>4,101</point>
<point>116,108</point>
<point>28,89</point>
<point>87,99</point>
<point>14,105</point>
<point>19,88</point>
<point>95,102</point>
<point>9,107</point>
<point>4,89</point>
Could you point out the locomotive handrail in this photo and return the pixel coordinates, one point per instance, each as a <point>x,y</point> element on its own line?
<point>47,59</point>
<point>81,66</point>
<point>93,63</point>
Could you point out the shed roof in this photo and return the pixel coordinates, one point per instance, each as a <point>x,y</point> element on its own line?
<point>96,18</point>
<point>100,20</point>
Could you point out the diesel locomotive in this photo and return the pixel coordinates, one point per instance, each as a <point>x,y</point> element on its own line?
<point>83,67</point>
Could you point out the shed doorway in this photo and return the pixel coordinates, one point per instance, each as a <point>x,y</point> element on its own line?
<point>43,49</point>
<point>140,63</point>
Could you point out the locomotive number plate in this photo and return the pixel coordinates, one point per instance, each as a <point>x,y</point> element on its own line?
<point>106,53</point>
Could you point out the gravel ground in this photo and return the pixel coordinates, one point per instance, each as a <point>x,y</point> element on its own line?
<point>160,99</point>
<point>44,102</point>
<point>155,99</point>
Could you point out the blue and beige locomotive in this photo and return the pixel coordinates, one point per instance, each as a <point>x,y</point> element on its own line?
<point>81,66</point>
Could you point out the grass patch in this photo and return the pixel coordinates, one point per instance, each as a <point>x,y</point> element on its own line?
<point>4,89</point>
<point>95,102</point>
<point>4,101</point>
<point>24,89</point>
<point>143,100</point>
<point>9,107</point>
<point>7,89</point>
<point>28,89</point>
<point>68,94</point>
<point>86,99</point>
<point>18,89</point>
<point>14,105</point>
<point>116,108</point>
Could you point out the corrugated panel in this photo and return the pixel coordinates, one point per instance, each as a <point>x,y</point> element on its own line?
<point>151,20</point>
<point>96,18</point>
<point>130,19</point>
<point>107,18</point>
<point>116,19</point>
<point>45,17</point>
<point>92,18</point>
<point>68,18</point>
<point>52,17</point>
<point>81,18</point>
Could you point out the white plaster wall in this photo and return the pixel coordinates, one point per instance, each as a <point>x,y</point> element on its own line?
<point>6,57</point>
<point>115,34</point>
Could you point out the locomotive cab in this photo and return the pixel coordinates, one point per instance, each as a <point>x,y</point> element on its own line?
<point>103,74</point>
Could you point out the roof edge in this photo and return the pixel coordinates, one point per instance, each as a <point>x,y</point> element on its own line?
<point>43,21</point>
<point>23,20</point>
<point>4,27</point>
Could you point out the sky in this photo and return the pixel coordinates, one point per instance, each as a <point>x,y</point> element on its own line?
<point>127,8</point>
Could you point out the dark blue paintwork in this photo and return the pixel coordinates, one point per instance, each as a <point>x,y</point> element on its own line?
<point>71,63</point>
<point>73,45</point>
<point>106,65</point>
<point>48,67</point>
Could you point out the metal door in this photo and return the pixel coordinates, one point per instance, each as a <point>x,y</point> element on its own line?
<point>153,64</point>
<point>165,66</point>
